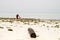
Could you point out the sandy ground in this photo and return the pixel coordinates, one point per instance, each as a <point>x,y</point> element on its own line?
<point>43,30</point>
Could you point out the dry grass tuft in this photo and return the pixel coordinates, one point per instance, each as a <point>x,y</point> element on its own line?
<point>57,26</point>
<point>1,27</point>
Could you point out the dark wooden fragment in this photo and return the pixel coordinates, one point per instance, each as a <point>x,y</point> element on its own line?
<point>32,33</point>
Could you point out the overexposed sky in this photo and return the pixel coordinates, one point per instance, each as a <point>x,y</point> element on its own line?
<point>30,8</point>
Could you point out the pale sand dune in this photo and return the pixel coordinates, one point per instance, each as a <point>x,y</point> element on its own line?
<point>45,29</point>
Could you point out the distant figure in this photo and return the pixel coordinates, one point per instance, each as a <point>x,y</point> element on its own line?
<point>17,16</point>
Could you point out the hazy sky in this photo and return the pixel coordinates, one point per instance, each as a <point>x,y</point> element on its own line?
<point>30,8</point>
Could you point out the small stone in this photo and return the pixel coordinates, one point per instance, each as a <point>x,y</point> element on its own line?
<point>10,30</point>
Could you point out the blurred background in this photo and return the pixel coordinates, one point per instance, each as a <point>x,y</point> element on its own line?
<point>47,9</point>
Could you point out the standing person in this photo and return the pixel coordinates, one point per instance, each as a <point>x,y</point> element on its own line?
<point>17,16</point>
